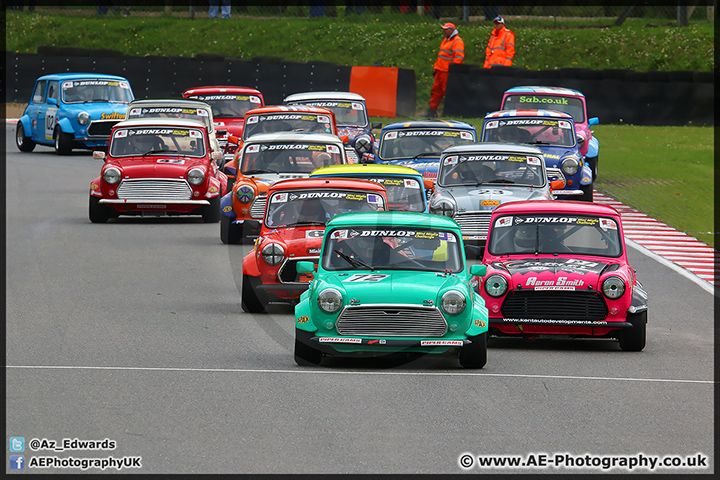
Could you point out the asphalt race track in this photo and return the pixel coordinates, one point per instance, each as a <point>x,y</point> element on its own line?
<point>132,331</point>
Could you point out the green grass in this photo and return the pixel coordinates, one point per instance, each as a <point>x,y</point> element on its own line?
<point>666,172</point>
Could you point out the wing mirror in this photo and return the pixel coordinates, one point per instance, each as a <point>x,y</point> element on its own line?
<point>99,155</point>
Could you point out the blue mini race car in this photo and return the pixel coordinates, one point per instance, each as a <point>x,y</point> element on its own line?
<point>419,144</point>
<point>73,110</point>
<point>554,134</point>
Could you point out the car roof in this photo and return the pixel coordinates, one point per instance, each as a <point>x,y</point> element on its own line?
<point>434,124</point>
<point>316,183</point>
<point>395,219</point>
<point>288,108</point>
<point>221,89</point>
<point>544,90</point>
<point>324,96</point>
<point>161,122</point>
<point>529,112</point>
<point>491,147</point>
<point>568,207</point>
<point>366,169</point>
<point>179,102</point>
<point>74,76</point>
<point>293,137</point>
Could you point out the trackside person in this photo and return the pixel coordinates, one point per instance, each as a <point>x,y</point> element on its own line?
<point>452,50</point>
<point>501,46</point>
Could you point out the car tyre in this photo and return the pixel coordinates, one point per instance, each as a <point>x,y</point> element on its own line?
<point>633,339</point>
<point>24,144</point>
<point>229,232</point>
<point>587,195</point>
<point>211,213</point>
<point>593,163</point>
<point>63,142</point>
<point>474,355</point>
<point>305,354</point>
<point>250,300</point>
<point>98,213</point>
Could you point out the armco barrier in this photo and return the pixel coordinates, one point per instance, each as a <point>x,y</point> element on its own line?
<point>615,96</point>
<point>154,76</point>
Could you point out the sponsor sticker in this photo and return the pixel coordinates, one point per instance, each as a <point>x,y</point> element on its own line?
<point>391,135</point>
<point>339,234</point>
<point>333,149</point>
<point>533,161</point>
<point>303,319</point>
<point>479,322</point>
<point>121,133</point>
<point>252,148</point>
<point>451,160</point>
<point>466,135</point>
<point>279,198</point>
<point>441,343</point>
<point>314,234</point>
<point>504,222</point>
<point>339,340</point>
<point>251,120</point>
<point>489,203</point>
<point>177,161</point>
<point>606,223</point>
<point>411,183</point>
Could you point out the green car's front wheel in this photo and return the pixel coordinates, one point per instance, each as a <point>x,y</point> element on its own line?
<point>474,355</point>
<point>305,354</point>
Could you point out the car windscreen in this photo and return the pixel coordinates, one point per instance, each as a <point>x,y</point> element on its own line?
<point>555,233</point>
<point>404,193</point>
<point>199,114</point>
<point>89,90</point>
<point>400,144</point>
<point>347,113</point>
<point>229,105</point>
<point>290,157</point>
<point>534,131</point>
<point>286,122</point>
<point>505,169</point>
<point>571,105</point>
<point>392,248</point>
<point>315,207</point>
<point>141,141</point>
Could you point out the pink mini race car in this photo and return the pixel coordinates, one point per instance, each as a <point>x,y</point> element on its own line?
<point>560,268</point>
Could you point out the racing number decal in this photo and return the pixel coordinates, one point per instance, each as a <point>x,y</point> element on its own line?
<point>365,277</point>
<point>50,119</point>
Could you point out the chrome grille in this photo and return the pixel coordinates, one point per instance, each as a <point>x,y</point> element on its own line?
<point>352,155</point>
<point>392,321</point>
<point>554,173</point>
<point>101,128</point>
<point>475,223</point>
<point>577,305</point>
<point>154,189</point>
<point>288,270</point>
<point>257,209</point>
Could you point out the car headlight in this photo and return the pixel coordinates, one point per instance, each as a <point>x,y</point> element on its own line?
<point>83,118</point>
<point>570,164</point>
<point>363,144</point>
<point>613,287</point>
<point>496,285</point>
<point>273,253</point>
<point>453,302</point>
<point>245,194</point>
<point>329,300</point>
<point>196,176</point>
<point>112,175</point>
<point>443,207</point>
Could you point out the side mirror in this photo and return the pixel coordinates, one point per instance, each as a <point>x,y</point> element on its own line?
<point>99,155</point>
<point>52,101</point>
<point>344,138</point>
<point>594,121</point>
<point>557,185</point>
<point>233,139</point>
<point>376,125</point>
<point>580,141</point>
<point>305,267</point>
<point>478,270</point>
<point>219,158</point>
<point>429,184</point>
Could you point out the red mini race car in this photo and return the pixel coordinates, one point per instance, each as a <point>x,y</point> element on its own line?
<point>560,268</point>
<point>158,167</point>
<point>229,106</point>
<point>293,230</point>
<point>279,118</point>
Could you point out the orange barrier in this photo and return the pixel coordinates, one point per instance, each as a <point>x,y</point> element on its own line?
<point>379,86</point>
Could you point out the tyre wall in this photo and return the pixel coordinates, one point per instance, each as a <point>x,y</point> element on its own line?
<point>614,96</point>
<point>156,76</point>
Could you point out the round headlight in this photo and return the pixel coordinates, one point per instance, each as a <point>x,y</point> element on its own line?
<point>496,285</point>
<point>273,253</point>
<point>613,287</point>
<point>196,176</point>
<point>362,144</point>
<point>329,300</point>
<point>443,207</point>
<point>453,302</point>
<point>83,118</point>
<point>245,194</point>
<point>112,175</point>
<point>570,165</point>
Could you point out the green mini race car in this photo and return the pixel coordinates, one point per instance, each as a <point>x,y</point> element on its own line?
<point>391,282</point>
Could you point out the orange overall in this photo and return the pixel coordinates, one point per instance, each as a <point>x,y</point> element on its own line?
<point>452,50</point>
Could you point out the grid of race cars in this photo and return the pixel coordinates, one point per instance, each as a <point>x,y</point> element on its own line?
<point>369,238</point>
